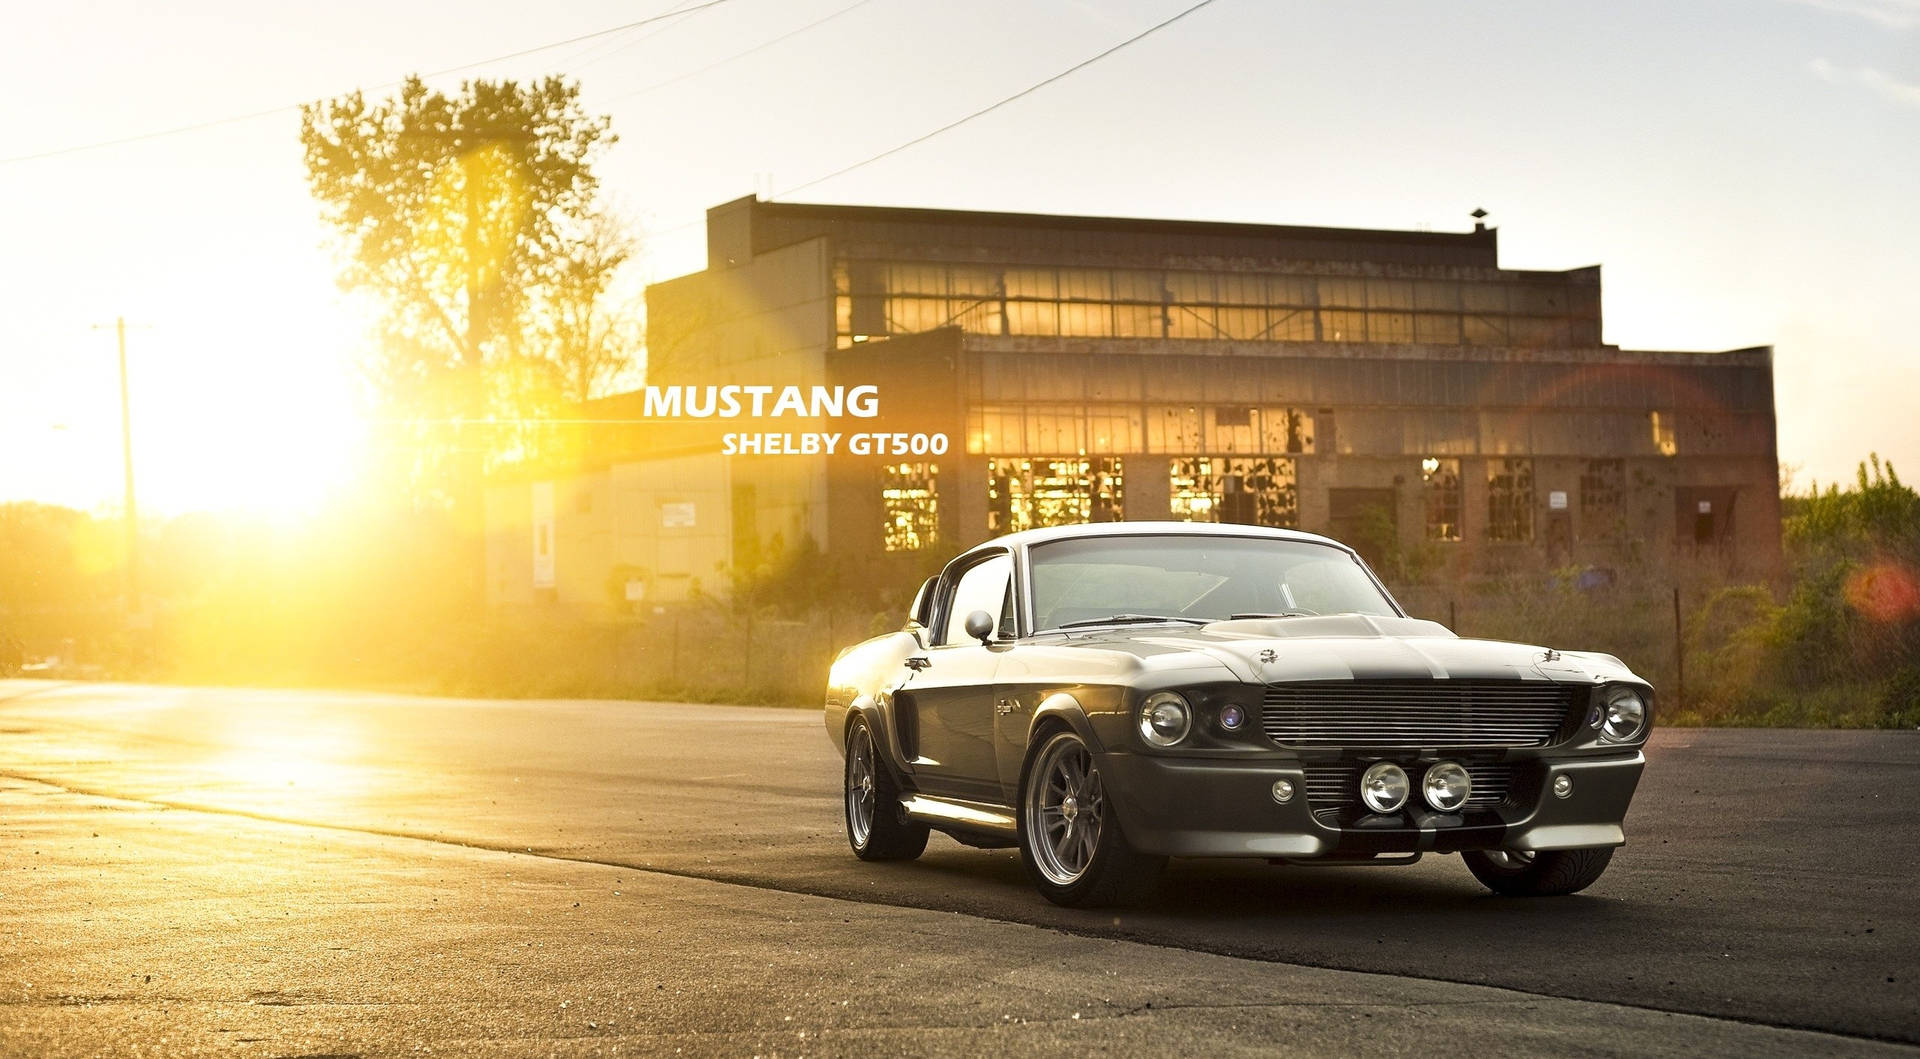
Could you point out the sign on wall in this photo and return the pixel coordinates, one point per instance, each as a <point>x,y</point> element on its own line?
<point>676,515</point>
<point>543,534</point>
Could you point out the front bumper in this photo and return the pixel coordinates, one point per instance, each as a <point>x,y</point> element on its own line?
<point>1211,807</point>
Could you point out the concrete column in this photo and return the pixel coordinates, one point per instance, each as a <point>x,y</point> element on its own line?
<point>1473,508</point>
<point>1309,482</point>
<point>1148,494</point>
<point>963,499</point>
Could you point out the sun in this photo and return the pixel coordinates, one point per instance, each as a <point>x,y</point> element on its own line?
<point>241,413</point>
<point>277,444</point>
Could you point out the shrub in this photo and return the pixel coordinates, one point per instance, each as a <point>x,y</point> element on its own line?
<point>1900,703</point>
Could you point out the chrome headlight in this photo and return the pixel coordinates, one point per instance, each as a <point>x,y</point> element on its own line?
<point>1446,786</point>
<point>1165,718</point>
<point>1623,715</point>
<point>1384,787</point>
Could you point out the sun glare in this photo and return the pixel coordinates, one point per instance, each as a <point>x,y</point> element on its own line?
<point>284,468</point>
<point>272,761</point>
<point>270,430</point>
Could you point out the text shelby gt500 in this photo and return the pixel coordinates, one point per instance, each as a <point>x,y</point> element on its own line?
<point>1108,696</point>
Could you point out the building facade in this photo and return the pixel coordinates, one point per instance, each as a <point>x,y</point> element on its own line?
<point>1398,390</point>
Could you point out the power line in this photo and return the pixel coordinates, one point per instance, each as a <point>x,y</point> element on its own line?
<point>614,45</point>
<point>1027,91</point>
<point>950,126</point>
<point>649,20</point>
<point>289,107</point>
<point>762,46</point>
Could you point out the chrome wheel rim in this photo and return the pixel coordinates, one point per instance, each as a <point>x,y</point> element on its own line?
<point>1510,859</point>
<point>1066,807</point>
<point>860,786</point>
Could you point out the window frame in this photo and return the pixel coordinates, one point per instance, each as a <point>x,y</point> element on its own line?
<point>1458,493</point>
<point>950,582</point>
<point>1520,510</point>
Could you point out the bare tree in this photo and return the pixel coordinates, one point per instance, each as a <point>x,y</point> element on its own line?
<point>591,332</point>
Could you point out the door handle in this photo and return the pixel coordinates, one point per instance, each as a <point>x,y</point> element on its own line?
<point>919,662</point>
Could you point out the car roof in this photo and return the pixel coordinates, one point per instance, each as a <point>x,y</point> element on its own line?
<point>1029,538</point>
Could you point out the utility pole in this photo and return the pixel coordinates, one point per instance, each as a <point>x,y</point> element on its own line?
<point>126,459</point>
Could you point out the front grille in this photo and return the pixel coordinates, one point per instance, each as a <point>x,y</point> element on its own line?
<point>1416,713</point>
<point>1332,788</point>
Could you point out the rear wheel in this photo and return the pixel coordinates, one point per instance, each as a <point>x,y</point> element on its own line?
<point>876,827</point>
<point>1069,838</point>
<point>1513,873</point>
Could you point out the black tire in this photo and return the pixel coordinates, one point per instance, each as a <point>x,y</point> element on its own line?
<point>883,832</point>
<point>1549,874</point>
<point>1114,873</point>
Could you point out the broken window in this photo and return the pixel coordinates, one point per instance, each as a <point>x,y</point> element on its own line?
<point>878,298</point>
<point>1441,486</point>
<point>910,497</point>
<point>1235,429</point>
<point>1509,499</point>
<point>1602,489</point>
<point>868,315</point>
<point>1245,490</point>
<point>1288,430</point>
<point>1027,493</point>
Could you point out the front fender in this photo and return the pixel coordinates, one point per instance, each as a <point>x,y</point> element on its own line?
<point>1062,708</point>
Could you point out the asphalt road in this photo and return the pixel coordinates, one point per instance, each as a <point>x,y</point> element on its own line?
<point>1764,891</point>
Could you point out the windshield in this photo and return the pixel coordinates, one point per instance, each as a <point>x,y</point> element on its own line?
<point>1196,577</point>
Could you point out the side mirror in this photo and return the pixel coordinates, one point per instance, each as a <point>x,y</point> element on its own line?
<point>980,626</point>
<point>917,631</point>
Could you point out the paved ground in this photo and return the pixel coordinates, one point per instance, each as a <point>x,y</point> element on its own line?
<point>1766,883</point>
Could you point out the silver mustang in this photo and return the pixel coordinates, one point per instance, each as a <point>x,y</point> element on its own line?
<point>1108,696</point>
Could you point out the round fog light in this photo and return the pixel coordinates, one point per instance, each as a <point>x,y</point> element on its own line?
<point>1232,717</point>
<point>1283,791</point>
<point>1384,787</point>
<point>1562,786</point>
<point>1446,786</point>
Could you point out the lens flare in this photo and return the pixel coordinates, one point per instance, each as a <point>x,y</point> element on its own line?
<point>1887,592</point>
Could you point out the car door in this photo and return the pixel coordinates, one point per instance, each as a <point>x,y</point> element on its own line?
<point>952,692</point>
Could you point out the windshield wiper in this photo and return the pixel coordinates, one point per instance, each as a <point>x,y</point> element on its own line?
<point>1129,619</point>
<point>1276,614</point>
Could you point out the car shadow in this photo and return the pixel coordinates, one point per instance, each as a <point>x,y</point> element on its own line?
<point>1438,895</point>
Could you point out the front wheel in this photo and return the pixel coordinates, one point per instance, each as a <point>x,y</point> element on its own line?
<point>876,828</point>
<point>1512,873</point>
<point>1069,838</point>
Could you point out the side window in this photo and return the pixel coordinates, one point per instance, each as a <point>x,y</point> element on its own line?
<point>982,587</point>
<point>922,611</point>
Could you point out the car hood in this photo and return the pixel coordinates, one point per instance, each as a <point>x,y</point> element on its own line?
<point>1348,647</point>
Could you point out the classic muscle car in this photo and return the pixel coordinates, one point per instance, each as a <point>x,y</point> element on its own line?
<point>1108,696</point>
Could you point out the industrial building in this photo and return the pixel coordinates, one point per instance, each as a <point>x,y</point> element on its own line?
<point>1396,389</point>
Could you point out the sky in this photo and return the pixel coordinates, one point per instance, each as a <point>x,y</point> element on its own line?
<point>1747,173</point>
